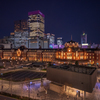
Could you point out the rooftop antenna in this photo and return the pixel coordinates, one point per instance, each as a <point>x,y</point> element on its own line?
<point>71,37</point>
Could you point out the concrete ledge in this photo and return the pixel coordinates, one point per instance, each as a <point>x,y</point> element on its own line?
<point>56,87</point>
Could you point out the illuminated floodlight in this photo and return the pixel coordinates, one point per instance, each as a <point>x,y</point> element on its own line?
<point>30,82</point>
<point>85,44</point>
<point>51,46</point>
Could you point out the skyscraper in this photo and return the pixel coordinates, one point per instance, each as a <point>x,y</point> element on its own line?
<point>59,41</point>
<point>51,38</point>
<point>83,38</point>
<point>20,25</point>
<point>36,23</point>
<point>21,34</point>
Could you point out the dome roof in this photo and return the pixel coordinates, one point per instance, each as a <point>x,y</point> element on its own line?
<point>71,41</point>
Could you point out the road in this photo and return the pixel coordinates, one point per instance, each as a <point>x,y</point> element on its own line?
<point>6,98</point>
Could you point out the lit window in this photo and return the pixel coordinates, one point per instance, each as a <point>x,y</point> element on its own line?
<point>69,57</point>
<point>90,57</point>
<point>81,57</point>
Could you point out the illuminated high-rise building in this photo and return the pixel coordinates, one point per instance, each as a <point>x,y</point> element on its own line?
<point>83,38</point>
<point>59,41</point>
<point>36,23</point>
<point>20,25</point>
<point>51,38</point>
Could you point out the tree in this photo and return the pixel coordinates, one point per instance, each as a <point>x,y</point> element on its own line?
<point>49,64</point>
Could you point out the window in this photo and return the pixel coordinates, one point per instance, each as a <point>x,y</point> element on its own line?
<point>69,55</point>
<point>81,54</point>
<point>81,57</point>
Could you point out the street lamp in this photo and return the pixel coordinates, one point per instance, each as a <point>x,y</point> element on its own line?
<point>4,64</point>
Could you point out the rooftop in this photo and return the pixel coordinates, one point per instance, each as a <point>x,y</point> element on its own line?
<point>36,12</point>
<point>77,69</point>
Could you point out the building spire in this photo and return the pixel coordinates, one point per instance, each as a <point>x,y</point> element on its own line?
<point>71,37</point>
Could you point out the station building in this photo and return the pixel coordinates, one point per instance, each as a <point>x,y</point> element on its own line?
<point>69,54</point>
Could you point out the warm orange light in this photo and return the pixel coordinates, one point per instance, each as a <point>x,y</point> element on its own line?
<point>18,52</point>
<point>69,50</point>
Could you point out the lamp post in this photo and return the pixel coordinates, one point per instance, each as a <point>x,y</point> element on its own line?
<point>11,63</point>
<point>2,83</point>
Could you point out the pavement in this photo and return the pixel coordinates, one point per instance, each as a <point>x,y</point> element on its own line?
<point>6,98</point>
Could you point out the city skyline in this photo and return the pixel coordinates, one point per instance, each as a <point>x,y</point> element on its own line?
<point>63,19</point>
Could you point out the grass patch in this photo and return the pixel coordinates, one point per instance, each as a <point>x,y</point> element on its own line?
<point>7,73</point>
<point>1,67</point>
<point>44,69</point>
<point>37,78</point>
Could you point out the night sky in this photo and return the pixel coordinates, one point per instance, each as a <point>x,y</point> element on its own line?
<point>62,17</point>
